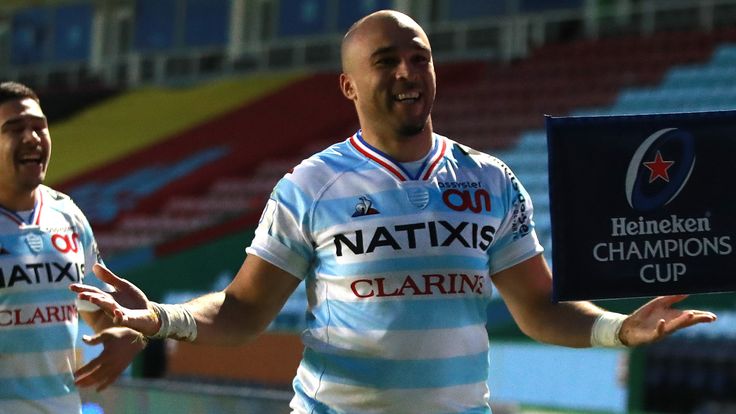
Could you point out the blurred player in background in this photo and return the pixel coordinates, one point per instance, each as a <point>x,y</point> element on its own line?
<point>46,244</point>
<point>398,233</point>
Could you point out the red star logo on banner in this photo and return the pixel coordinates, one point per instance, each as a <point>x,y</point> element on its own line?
<point>658,168</point>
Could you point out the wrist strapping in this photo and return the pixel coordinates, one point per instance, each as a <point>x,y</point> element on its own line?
<point>176,322</point>
<point>606,329</point>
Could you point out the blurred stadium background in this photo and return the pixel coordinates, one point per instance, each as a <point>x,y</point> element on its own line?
<point>173,119</point>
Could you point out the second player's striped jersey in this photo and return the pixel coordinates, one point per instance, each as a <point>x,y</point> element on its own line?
<point>397,268</point>
<point>41,252</point>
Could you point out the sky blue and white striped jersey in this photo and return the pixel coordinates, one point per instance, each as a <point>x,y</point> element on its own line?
<point>397,271</point>
<point>41,252</point>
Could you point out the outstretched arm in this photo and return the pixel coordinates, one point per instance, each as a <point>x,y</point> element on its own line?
<point>246,307</point>
<point>526,288</point>
<point>233,316</point>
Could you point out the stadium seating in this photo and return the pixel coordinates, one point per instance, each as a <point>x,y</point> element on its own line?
<point>491,112</point>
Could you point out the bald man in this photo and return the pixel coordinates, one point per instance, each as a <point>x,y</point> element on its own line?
<point>399,234</point>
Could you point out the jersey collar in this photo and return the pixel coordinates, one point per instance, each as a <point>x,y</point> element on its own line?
<point>394,168</point>
<point>33,219</point>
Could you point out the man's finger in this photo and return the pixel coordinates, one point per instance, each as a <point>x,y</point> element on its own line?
<point>107,276</point>
<point>668,301</point>
<point>661,325</point>
<point>97,374</point>
<point>105,303</point>
<point>101,300</point>
<point>110,377</point>
<point>93,340</point>
<point>118,317</point>
<point>90,380</point>
<point>690,318</point>
<point>705,316</point>
<point>81,288</point>
<point>86,370</point>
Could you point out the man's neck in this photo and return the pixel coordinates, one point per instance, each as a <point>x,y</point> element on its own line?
<point>18,200</point>
<point>401,148</point>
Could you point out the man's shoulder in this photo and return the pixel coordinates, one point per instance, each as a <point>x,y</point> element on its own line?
<point>54,196</point>
<point>59,201</point>
<point>324,166</point>
<point>337,156</point>
<point>464,154</point>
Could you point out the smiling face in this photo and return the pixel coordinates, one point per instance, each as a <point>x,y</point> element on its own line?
<point>25,149</point>
<point>389,74</point>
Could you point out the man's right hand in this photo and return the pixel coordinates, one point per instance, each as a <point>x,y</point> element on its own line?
<point>127,305</point>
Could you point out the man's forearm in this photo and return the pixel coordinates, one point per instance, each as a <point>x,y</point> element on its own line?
<point>223,320</point>
<point>567,324</point>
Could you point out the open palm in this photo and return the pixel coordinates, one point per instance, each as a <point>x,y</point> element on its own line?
<point>658,318</point>
<point>126,305</point>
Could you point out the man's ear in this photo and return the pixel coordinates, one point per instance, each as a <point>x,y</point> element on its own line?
<point>347,87</point>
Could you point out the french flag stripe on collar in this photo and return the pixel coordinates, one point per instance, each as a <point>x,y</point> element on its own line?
<point>434,158</point>
<point>395,168</point>
<point>378,157</point>
<point>36,216</point>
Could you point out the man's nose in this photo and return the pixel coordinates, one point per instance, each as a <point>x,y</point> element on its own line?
<point>405,70</point>
<point>30,135</point>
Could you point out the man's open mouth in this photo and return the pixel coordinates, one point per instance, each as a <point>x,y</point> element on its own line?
<point>31,159</point>
<point>408,97</point>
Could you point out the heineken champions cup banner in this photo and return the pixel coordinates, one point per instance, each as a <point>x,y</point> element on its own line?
<point>642,205</point>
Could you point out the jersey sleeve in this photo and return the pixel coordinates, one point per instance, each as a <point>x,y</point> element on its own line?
<point>516,239</point>
<point>282,236</point>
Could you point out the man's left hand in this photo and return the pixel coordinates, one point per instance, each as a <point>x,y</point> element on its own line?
<point>657,319</point>
<point>120,346</point>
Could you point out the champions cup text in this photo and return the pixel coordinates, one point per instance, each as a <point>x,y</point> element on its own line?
<point>687,237</point>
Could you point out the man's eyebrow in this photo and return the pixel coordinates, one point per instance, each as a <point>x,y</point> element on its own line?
<point>383,50</point>
<point>21,119</point>
<point>393,48</point>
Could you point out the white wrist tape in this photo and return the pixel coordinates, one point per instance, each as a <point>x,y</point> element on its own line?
<point>606,329</point>
<point>176,322</point>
